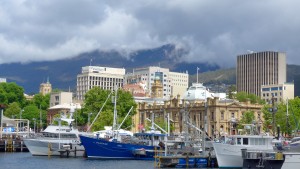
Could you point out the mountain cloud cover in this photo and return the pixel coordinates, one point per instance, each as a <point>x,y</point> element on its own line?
<point>213,31</point>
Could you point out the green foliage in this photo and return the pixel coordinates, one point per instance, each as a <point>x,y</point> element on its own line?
<point>288,122</point>
<point>31,112</point>
<point>95,98</point>
<point>267,115</point>
<point>41,101</point>
<point>11,92</point>
<point>247,118</point>
<point>243,97</point>
<point>13,110</point>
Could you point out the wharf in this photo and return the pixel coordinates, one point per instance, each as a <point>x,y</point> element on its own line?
<point>12,145</point>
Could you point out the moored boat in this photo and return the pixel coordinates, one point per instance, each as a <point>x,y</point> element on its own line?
<point>141,146</point>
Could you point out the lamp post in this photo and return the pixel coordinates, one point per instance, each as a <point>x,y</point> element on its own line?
<point>273,110</point>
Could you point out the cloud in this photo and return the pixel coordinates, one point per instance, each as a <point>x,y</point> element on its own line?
<point>210,31</point>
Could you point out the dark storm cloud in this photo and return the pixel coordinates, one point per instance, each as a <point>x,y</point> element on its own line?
<point>211,31</point>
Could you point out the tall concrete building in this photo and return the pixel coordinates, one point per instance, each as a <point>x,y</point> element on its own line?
<point>261,68</point>
<point>104,77</point>
<point>174,83</point>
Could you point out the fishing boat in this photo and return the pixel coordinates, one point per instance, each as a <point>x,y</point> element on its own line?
<point>139,146</point>
<point>228,149</point>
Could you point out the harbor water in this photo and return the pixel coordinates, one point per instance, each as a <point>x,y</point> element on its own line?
<point>24,160</point>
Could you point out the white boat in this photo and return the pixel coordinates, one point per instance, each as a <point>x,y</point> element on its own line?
<point>55,140</point>
<point>228,151</point>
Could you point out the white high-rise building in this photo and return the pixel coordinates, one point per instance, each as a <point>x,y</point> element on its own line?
<point>174,83</point>
<point>104,77</point>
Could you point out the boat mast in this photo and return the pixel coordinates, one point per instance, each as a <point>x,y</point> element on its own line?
<point>115,127</point>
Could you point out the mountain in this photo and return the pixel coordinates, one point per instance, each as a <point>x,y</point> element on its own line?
<point>63,73</point>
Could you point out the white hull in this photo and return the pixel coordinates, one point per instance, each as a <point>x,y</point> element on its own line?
<point>41,147</point>
<point>230,156</point>
<point>292,160</point>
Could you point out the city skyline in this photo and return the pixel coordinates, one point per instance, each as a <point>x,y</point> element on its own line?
<point>202,31</point>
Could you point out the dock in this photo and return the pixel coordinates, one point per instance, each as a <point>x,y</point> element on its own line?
<point>12,144</point>
<point>186,159</point>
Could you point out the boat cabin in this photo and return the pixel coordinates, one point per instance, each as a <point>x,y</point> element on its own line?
<point>248,140</point>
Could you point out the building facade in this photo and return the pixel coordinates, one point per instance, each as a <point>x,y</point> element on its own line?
<point>57,98</point>
<point>216,117</point>
<point>280,92</point>
<point>261,68</point>
<point>174,83</point>
<point>45,88</point>
<point>95,76</point>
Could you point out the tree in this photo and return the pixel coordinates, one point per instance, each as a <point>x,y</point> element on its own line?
<point>243,97</point>
<point>31,112</point>
<point>247,118</point>
<point>11,92</point>
<point>13,110</point>
<point>41,101</point>
<point>95,98</point>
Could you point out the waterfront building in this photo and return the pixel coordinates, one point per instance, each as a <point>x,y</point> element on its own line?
<point>173,83</point>
<point>57,98</point>
<point>260,68</point>
<point>217,117</point>
<point>46,88</point>
<point>280,92</point>
<point>104,77</point>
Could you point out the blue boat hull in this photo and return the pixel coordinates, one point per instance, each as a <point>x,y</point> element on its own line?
<point>103,149</point>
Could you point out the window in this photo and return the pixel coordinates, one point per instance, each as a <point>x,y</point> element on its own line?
<point>239,141</point>
<point>222,115</point>
<point>245,141</point>
<point>232,115</point>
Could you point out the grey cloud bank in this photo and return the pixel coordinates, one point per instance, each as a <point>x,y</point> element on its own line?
<point>213,31</point>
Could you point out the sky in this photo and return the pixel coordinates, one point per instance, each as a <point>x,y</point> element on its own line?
<point>213,31</point>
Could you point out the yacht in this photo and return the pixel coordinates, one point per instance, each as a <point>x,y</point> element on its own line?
<point>55,140</point>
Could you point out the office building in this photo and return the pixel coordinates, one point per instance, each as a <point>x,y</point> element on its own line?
<point>173,83</point>
<point>106,78</point>
<point>280,92</point>
<point>261,68</point>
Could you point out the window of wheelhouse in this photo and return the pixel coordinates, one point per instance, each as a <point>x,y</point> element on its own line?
<point>245,141</point>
